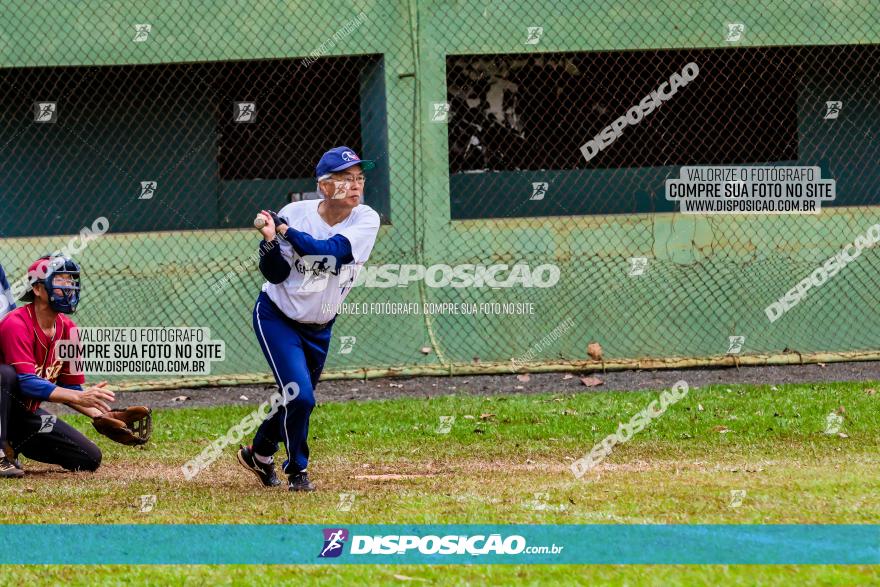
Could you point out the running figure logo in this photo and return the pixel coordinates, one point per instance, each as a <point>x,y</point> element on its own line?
<point>142,32</point>
<point>735,32</point>
<point>334,540</point>
<point>637,266</point>
<point>245,112</point>
<point>346,344</point>
<point>832,110</point>
<point>533,34</point>
<point>45,111</point>
<point>539,190</point>
<point>47,424</point>
<point>316,271</point>
<point>148,190</point>
<point>441,112</point>
<point>735,344</point>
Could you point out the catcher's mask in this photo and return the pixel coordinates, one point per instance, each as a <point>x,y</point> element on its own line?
<point>45,270</point>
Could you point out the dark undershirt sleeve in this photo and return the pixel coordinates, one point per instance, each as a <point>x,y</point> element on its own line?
<point>273,265</point>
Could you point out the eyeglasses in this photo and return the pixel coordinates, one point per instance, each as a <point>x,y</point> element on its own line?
<point>360,179</point>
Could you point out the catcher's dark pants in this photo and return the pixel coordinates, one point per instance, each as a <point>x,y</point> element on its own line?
<point>295,354</point>
<point>39,435</point>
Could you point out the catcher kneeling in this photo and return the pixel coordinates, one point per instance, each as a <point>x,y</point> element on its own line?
<point>30,374</point>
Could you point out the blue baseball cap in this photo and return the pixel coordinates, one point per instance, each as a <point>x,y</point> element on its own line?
<point>339,158</point>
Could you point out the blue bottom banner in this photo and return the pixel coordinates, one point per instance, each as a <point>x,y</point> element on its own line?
<point>439,544</point>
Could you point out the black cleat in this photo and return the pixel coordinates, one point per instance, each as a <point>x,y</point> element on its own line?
<point>300,482</point>
<point>10,454</point>
<point>9,470</point>
<point>265,472</point>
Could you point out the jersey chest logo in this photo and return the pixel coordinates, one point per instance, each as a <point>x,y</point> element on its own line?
<point>50,372</point>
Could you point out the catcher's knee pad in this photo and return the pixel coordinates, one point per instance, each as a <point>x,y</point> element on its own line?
<point>88,460</point>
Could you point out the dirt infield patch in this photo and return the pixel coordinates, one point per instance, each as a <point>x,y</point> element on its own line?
<point>227,474</point>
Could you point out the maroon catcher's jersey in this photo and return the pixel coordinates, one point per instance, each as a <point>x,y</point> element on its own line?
<point>25,347</point>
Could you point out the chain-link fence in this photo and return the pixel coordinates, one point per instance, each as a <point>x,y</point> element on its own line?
<point>536,138</point>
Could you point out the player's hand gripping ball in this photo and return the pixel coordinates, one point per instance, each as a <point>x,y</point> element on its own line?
<point>132,426</point>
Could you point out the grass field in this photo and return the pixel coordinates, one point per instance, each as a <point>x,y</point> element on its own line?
<point>504,460</point>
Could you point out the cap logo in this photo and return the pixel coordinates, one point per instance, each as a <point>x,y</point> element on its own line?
<point>349,156</point>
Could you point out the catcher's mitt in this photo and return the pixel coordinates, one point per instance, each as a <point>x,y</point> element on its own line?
<point>131,426</point>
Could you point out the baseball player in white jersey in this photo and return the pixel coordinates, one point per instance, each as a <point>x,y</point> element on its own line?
<point>310,255</point>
